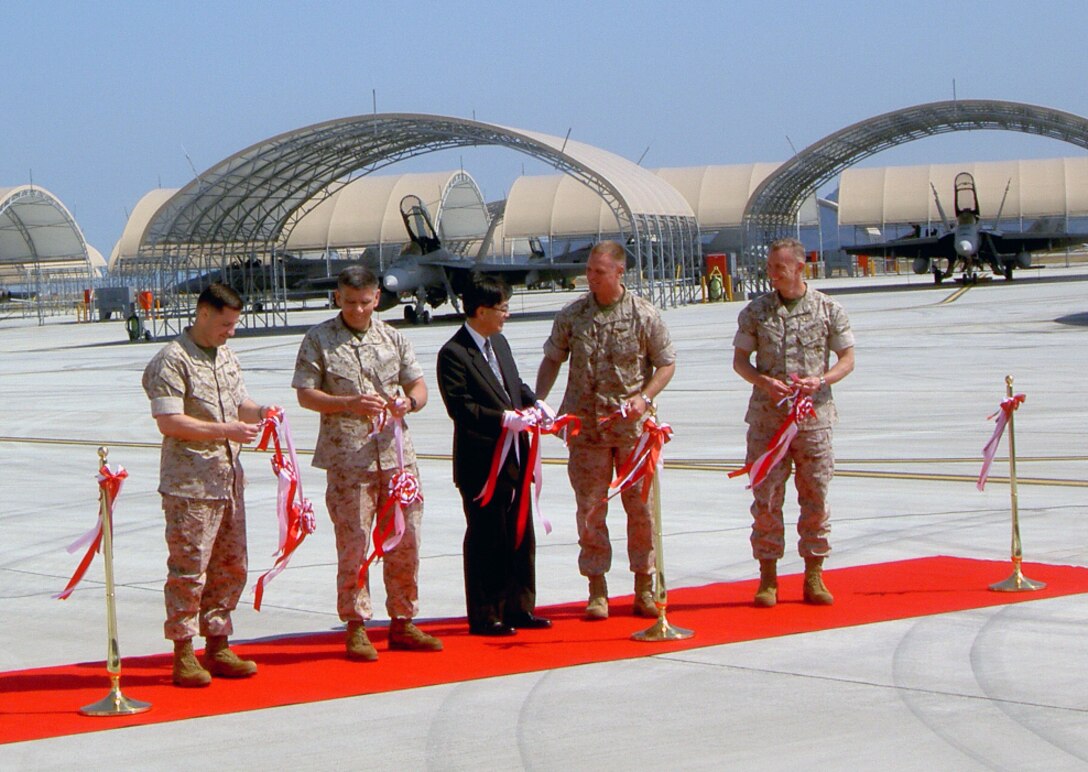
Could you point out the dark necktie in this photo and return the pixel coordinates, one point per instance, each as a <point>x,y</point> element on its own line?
<point>493,362</point>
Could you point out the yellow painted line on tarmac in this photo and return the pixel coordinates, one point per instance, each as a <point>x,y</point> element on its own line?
<point>1054,482</point>
<point>80,443</point>
<point>881,475</point>
<point>722,466</point>
<point>925,460</point>
<point>956,295</point>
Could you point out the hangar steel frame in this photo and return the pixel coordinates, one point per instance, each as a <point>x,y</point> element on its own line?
<point>238,214</point>
<point>771,211</point>
<point>42,250</point>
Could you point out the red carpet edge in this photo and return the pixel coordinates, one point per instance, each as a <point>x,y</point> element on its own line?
<point>45,702</point>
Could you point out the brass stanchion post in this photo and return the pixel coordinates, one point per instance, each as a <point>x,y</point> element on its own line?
<point>660,630</point>
<point>1017,582</point>
<point>114,703</point>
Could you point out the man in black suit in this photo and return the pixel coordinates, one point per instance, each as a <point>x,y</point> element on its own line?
<point>483,393</point>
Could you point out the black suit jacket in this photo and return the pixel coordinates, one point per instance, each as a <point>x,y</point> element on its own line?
<point>475,401</point>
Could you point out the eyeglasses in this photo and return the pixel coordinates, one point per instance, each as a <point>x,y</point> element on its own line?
<point>503,309</point>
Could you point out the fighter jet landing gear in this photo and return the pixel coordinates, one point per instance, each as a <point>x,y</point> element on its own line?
<point>412,315</point>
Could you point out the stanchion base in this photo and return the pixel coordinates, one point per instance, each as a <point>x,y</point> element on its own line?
<point>661,630</point>
<point>1017,583</point>
<point>115,704</point>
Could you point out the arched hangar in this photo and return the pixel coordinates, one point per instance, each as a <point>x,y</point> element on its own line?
<point>771,210</point>
<point>42,249</point>
<point>246,206</point>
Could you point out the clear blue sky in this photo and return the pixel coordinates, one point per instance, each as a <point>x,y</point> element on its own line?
<point>103,100</point>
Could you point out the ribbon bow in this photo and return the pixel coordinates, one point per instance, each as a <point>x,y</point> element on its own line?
<point>1002,414</point>
<point>801,409</point>
<point>565,426</point>
<point>404,490</point>
<point>109,484</point>
<point>294,512</point>
<point>643,461</point>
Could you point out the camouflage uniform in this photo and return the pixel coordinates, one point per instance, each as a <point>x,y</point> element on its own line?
<point>785,342</point>
<point>201,485</point>
<point>337,361</point>
<point>613,352</point>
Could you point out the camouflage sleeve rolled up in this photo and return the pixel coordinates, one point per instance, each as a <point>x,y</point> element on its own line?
<point>183,379</point>
<point>557,346</point>
<point>841,337</point>
<point>659,348</point>
<point>309,363</point>
<point>165,386</point>
<point>745,339</point>
<point>410,370</point>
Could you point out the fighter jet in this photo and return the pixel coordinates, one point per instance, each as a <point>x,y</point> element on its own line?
<point>426,273</point>
<point>968,242</point>
<point>252,278</point>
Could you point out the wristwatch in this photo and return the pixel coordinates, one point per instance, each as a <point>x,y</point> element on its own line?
<point>413,403</point>
<point>649,402</point>
<point>823,381</point>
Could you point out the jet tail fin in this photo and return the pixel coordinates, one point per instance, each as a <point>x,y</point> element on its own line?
<point>940,209</point>
<point>1001,208</point>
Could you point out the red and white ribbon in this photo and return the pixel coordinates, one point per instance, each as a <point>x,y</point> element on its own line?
<point>404,490</point>
<point>110,485</point>
<point>537,422</point>
<point>644,460</point>
<point>1003,414</point>
<point>293,510</point>
<point>566,427</point>
<point>801,409</point>
<point>620,413</point>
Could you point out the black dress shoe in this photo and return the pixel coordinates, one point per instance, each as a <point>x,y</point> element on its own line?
<point>492,629</point>
<point>529,622</point>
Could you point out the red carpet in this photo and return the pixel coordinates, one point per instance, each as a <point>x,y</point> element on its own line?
<point>45,702</point>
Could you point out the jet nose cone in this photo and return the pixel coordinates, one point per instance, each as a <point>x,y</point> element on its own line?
<point>391,282</point>
<point>965,247</point>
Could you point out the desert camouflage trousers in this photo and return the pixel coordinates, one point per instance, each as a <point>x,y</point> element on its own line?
<point>591,468</point>
<point>206,564</point>
<point>353,499</point>
<point>811,457</point>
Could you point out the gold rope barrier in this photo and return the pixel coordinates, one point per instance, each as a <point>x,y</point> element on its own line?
<point>114,703</point>
<point>660,630</point>
<point>1017,582</point>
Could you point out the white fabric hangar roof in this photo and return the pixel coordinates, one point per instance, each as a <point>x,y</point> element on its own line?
<point>555,204</point>
<point>128,246</point>
<point>559,205</point>
<point>718,193</point>
<point>902,194</point>
<point>36,229</point>
<point>362,213</point>
<point>366,211</point>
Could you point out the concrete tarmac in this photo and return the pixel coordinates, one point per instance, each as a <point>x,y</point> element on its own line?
<point>996,688</point>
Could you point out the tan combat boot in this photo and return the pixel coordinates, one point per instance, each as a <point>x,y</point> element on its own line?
<point>405,636</point>
<point>815,591</point>
<point>597,608</point>
<point>187,670</point>
<point>767,594</point>
<point>223,662</point>
<point>358,645</point>
<point>644,597</point>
